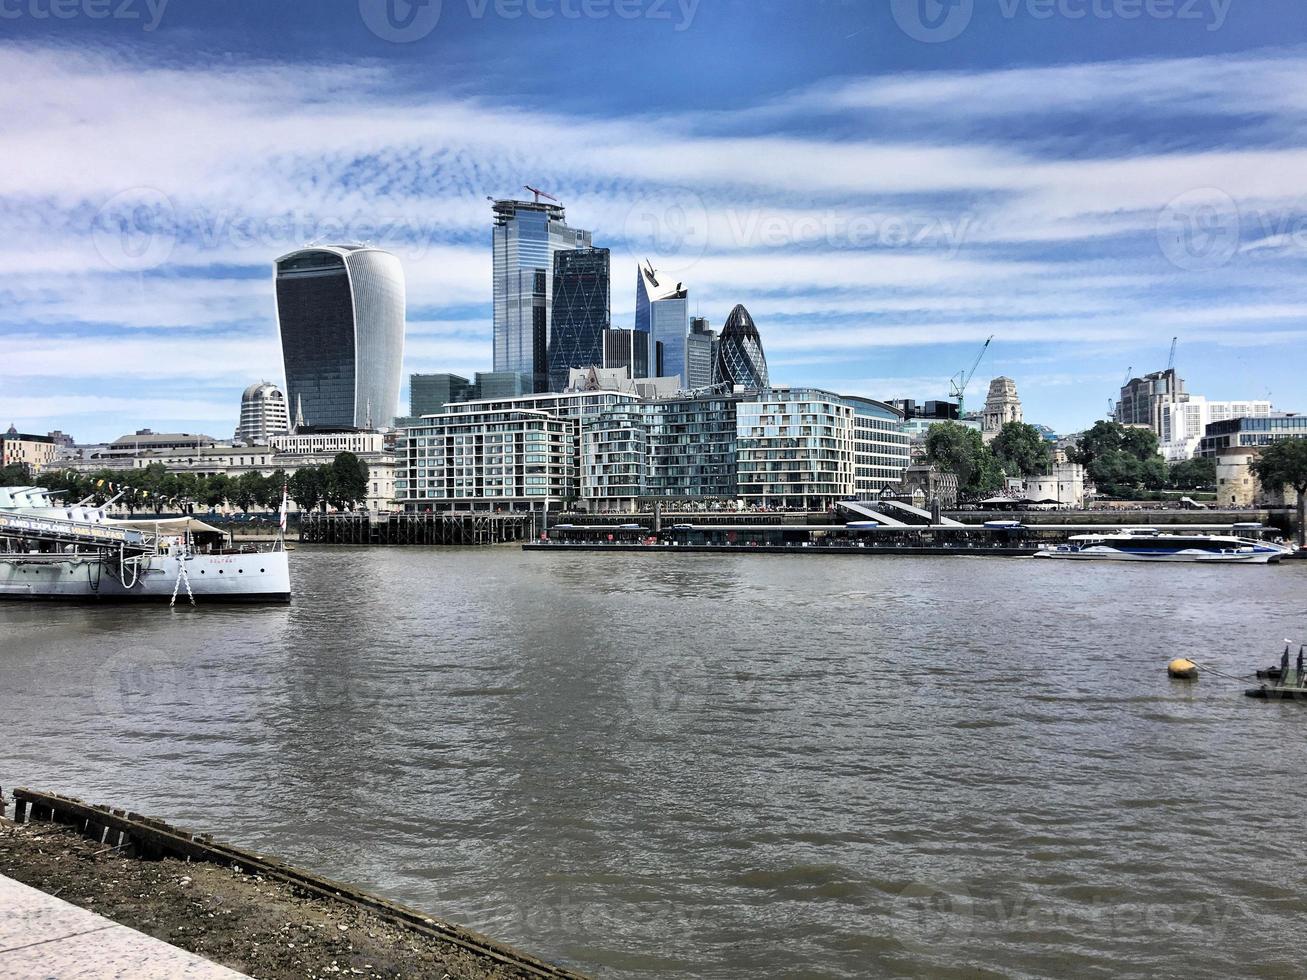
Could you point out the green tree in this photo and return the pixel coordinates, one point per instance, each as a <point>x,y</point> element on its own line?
<point>248,490</point>
<point>347,481</point>
<point>1121,460</point>
<point>1284,464</point>
<point>1022,449</point>
<point>307,487</point>
<point>217,489</point>
<point>960,449</point>
<point>1193,474</point>
<point>14,475</point>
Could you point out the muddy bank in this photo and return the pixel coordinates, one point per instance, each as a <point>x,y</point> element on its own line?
<point>264,928</point>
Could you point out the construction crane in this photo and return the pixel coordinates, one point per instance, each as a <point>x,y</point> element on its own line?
<point>1170,364</point>
<point>539,194</point>
<point>960,381</point>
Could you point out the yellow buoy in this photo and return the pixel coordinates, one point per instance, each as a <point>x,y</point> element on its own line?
<point>1184,670</point>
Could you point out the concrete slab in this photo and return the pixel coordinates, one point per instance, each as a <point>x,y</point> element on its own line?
<point>46,937</point>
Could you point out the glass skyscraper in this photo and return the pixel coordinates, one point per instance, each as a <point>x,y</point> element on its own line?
<point>740,360</point>
<point>627,349</point>
<point>340,313</point>
<point>700,349</point>
<point>669,321</point>
<point>526,237</point>
<point>580,312</point>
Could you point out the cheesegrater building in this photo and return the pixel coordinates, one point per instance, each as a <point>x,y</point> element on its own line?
<point>340,313</point>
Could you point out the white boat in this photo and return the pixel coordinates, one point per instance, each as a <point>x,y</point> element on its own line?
<point>1151,545</point>
<point>78,552</point>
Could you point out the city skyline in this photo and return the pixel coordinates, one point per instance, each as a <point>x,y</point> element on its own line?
<point>876,219</point>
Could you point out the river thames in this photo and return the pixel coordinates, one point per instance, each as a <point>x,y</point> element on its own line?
<point>721,765</point>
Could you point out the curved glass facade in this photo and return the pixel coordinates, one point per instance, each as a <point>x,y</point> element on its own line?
<point>740,359</point>
<point>340,311</point>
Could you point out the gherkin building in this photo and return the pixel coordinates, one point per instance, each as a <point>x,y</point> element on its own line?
<point>740,360</point>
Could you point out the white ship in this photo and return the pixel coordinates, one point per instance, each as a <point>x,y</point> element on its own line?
<point>78,552</point>
<point>1151,545</point>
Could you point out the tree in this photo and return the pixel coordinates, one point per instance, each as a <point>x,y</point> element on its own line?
<point>1121,460</point>
<point>347,481</point>
<point>217,489</point>
<point>247,490</point>
<point>1022,449</point>
<point>1198,473</point>
<point>14,475</point>
<point>1284,464</point>
<point>960,449</point>
<point>306,487</point>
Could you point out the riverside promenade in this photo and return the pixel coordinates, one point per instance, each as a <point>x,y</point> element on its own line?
<point>44,936</point>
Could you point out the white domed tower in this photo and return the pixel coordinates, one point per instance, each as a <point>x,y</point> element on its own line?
<point>264,414</point>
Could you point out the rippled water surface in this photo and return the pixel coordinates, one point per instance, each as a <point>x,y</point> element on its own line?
<point>718,766</point>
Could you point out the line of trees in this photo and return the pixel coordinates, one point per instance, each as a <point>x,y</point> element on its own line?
<point>1119,460</point>
<point>1019,450</point>
<point>342,484</point>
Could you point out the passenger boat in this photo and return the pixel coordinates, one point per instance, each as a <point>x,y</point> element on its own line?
<point>1151,545</point>
<point>78,552</point>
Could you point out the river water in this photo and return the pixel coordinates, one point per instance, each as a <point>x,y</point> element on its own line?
<point>721,766</point>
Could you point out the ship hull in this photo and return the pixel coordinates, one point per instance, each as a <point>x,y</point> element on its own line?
<point>1088,555</point>
<point>240,578</point>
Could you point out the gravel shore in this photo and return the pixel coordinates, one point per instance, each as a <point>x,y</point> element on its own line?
<point>263,928</point>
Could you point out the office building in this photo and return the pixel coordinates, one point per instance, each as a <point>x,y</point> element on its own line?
<point>1254,433</point>
<point>881,446</point>
<point>1184,423</point>
<point>662,310</point>
<point>628,349</point>
<point>428,394</point>
<point>1142,399</point>
<point>740,359</point>
<point>31,451</point>
<point>700,349</point>
<point>340,310</point>
<point>526,237</point>
<point>580,314</point>
<point>264,414</point>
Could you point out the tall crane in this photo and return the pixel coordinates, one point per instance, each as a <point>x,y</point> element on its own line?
<point>1170,364</point>
<point>960,381</point>
<point>539,194</point>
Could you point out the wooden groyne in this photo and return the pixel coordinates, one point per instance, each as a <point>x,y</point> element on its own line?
<point>133,835</point>
<point>416,529</point>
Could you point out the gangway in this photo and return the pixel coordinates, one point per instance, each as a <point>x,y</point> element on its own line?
<point>53,530</point>
<point>862,510</point>
<point>924,515</point>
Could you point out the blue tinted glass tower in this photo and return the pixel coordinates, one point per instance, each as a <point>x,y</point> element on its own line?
<point>740,360</point>
<point>580,312</point>
<point>526,237</point>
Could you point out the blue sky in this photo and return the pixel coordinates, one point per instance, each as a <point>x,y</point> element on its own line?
<point>883,184</point>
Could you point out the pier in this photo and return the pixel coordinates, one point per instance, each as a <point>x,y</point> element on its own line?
<point>416,529</point>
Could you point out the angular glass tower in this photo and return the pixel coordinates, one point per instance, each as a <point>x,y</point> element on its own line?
<point>580,314</point>
<point>340,313</point>
<point>740,360</point>
<point>662,310</point>
<point>526,237</point>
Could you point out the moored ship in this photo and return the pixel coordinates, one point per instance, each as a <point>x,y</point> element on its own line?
<point>1151,545</point>
<point>78,552</point>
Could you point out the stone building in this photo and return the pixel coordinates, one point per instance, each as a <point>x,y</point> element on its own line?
<point>1003,405</point>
